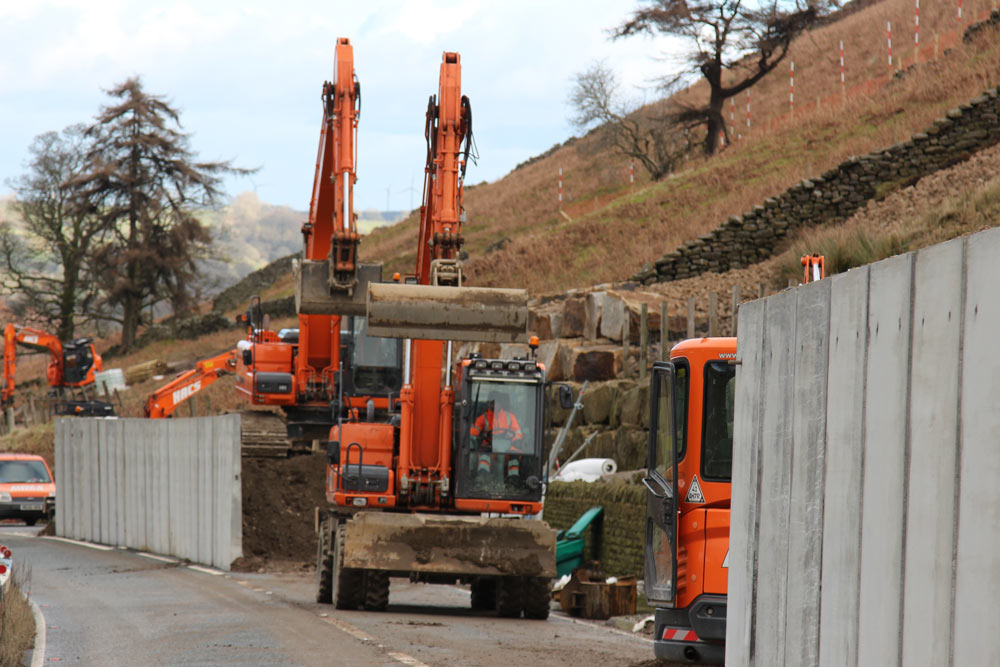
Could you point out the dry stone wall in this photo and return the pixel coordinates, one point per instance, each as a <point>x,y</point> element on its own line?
<point>836,194</point>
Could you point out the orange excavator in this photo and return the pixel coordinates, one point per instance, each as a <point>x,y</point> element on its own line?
<point>165,400</point>
<point>437,485</point>
<point>689,489</point>
<point>298,369</point>
<point>72,365</point>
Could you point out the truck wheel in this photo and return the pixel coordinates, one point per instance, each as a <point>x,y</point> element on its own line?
<point>376,590</point>
<point>484,593</point>
<point>347,582</point>
<point>510,596</point>
<point>324,562</point>
<point>537,597</point>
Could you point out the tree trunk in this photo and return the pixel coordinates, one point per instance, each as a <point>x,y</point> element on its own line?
<point>715,123</point>
<point>131,312</point>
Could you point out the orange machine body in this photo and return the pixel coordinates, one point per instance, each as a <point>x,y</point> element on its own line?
<point>689,493</point>
<point>704,525</point>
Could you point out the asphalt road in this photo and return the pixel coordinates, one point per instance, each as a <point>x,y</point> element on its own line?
<point>119,607</point>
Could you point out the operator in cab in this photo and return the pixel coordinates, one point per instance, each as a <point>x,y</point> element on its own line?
<point>498,432</point>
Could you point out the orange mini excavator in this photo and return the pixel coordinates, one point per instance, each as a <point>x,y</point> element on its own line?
<point>72,365</point>
<point>437,485</point>
<point>165,400</point>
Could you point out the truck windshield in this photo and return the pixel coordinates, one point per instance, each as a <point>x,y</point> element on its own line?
<point>717,429</point>
<point>16,472</point>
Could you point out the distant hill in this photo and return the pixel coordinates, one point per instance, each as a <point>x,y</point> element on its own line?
<point>250,234</point>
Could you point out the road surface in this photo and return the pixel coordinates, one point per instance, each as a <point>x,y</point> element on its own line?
<point>115,607</point>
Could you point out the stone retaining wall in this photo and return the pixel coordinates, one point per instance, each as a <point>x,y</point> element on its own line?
<point>624,520</point>
<point>836,194</point>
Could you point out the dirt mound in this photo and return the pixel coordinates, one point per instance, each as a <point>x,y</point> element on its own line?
<point>279,501</point>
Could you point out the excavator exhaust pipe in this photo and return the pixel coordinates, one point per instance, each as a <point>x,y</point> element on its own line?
<point>314,294</point>
<point>479,314</point>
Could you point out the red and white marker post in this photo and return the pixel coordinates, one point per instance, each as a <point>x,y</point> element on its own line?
<point>889,33</point>
<point>791,90</point>
<point>916,34</point>
<point>560,188</point>
<point>843,80</point>
<point>748,111</point>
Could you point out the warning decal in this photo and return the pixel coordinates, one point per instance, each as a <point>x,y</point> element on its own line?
<point>694,492</point>
<point>725,561</point>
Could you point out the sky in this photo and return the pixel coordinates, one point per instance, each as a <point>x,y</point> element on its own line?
<point>247,75</point>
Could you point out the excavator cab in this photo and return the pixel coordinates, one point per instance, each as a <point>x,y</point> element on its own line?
<point>499,433</point>
<point>78,362</point>
<point>375,364</point>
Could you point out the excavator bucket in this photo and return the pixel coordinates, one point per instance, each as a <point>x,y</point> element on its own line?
<point>314,294</point>
<point>481,314</point>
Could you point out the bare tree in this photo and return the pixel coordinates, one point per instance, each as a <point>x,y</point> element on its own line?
<point>639,132</point>
<point>748,40</point>
<point>46,258</point>
<point>148,187</point>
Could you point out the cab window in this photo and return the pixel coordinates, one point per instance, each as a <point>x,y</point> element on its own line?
<point>717,421</point>
<point>664,437</point>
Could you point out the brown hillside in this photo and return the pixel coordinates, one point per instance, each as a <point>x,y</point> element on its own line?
<point>615,231</point>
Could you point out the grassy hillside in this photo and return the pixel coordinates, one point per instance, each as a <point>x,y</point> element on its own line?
<point>516,236</point>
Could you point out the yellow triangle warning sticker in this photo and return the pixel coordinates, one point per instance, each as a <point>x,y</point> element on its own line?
<point>694,492</point>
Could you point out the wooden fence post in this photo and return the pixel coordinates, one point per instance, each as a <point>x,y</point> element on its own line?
<point>690,331</point>
<point>643,340</point>
<point>664,330</point>
<point>713,314</point>
<point>625,341</point>
<point>736,307</point>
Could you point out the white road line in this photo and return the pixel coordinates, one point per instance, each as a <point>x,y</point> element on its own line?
<point>165,559</point>
<point>406,659</point>
<point>366,638</point>
<point>206,570</point>
<point>89,545</point>
<point>38,653</point>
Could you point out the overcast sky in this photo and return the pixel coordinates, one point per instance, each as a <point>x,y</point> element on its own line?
<point>247,75</point>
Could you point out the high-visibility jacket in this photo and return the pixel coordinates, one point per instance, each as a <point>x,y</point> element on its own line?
<point>502,423</point>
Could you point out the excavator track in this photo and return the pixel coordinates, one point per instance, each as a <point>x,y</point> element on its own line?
<point>263,434</point>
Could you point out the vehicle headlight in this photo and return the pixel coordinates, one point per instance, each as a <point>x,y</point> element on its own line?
<point>53,494</point>
<point>4,497</point>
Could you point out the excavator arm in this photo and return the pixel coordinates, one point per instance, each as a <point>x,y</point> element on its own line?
<point>165,400</point>
<point>329,280</point>
<point>35,339</point>
<point>9,365</point>
<point>439,307</point>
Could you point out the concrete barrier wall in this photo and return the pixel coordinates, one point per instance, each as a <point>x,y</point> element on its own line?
<point>866,483</point>
<point>170,486</point>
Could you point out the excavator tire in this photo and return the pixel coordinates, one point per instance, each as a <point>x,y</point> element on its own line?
<point>376,590</point>
<point>484,593</point>
<point>348,590</point>
<point>324,562</point>
<point>510,596</point>
<point>537,596</point>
